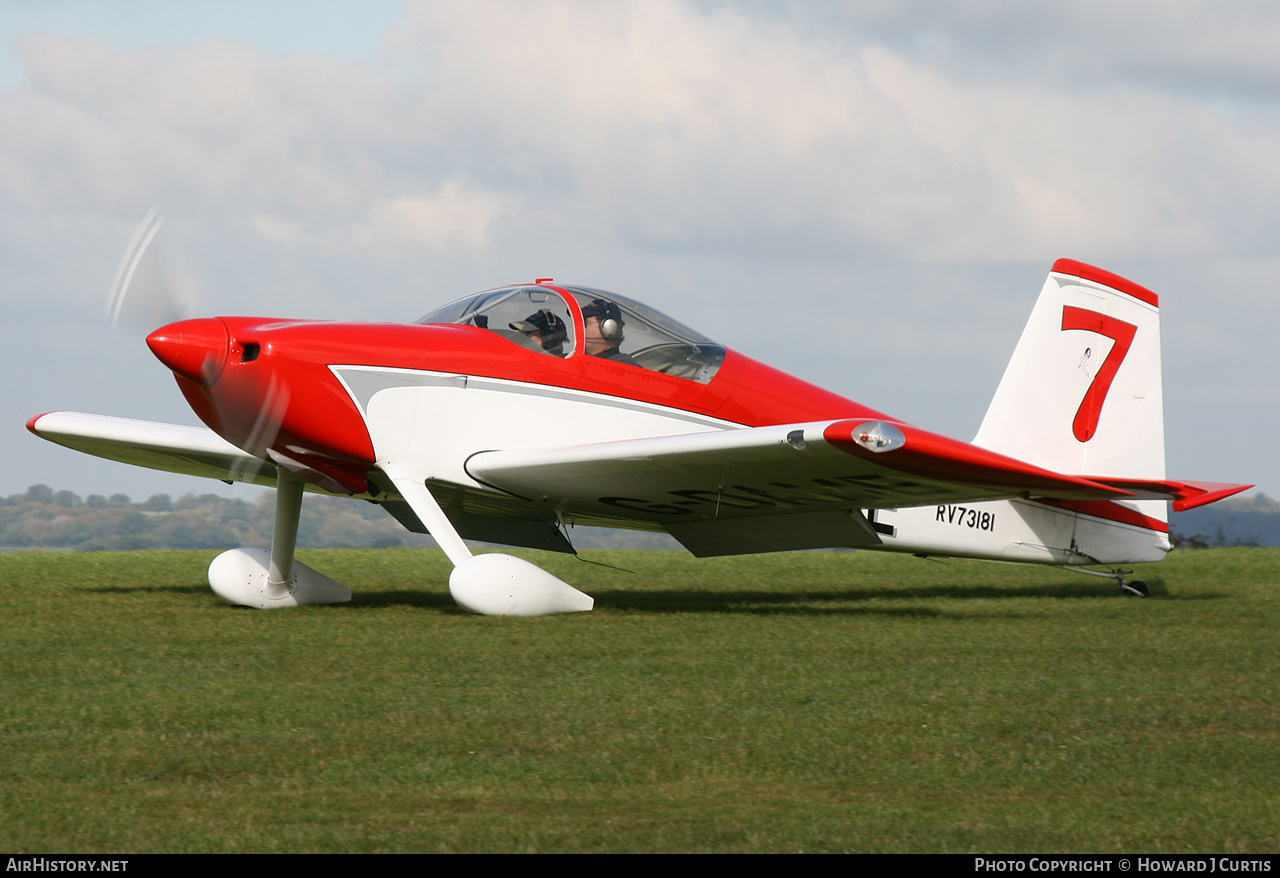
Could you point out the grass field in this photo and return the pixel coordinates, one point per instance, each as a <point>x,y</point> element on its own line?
<point>821,701</point>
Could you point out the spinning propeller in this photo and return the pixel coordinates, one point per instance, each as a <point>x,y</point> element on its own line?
<point>148,292</point>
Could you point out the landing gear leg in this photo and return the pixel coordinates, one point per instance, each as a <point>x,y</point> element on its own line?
<point>284,536</point>
<point>270,580</point>
<point>1137,588</point>
<point>492,584</point>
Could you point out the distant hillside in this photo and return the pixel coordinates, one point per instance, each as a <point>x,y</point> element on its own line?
<point>1236,521</point>
<point>48,519</point>
<point>43,518</point>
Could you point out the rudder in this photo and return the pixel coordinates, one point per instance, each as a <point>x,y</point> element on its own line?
<point>1082,393</point>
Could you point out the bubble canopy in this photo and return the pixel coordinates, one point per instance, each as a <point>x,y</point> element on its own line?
<point>574,321</point>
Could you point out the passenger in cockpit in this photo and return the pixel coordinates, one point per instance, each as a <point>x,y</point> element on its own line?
<point>545,328</point>
<point>603,326</point>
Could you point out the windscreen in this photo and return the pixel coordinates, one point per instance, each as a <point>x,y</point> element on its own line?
<point>626,331</point>
<point>533,317</point>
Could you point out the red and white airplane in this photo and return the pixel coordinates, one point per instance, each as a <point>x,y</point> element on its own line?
<point>511,414</point>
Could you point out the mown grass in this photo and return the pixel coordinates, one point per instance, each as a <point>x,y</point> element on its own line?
<point>822,701</point>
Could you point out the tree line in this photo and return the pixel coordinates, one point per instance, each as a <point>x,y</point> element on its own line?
<point>43,518</point>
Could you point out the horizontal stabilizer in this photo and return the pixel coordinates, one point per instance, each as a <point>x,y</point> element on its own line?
<point>1185,495</point>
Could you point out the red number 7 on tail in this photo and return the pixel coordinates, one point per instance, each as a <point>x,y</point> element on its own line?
<point>1086,421</point>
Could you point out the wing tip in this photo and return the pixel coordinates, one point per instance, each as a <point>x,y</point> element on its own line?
<point>31,424</point>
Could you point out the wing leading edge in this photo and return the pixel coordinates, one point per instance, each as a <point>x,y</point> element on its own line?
<point>192,451</point>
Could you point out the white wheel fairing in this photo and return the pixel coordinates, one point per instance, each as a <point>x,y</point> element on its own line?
<point>239,576</point>
<point>503,585</point>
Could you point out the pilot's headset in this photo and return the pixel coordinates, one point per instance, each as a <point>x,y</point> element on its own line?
<point>554,331</point>
<point>610,318</point>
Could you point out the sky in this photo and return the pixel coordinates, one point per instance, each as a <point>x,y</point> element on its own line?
<point>867,195</point>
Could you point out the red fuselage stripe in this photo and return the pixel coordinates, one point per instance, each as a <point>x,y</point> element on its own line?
<point>1111,512</point>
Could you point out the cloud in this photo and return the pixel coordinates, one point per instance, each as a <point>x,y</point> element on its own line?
<point>656,122</point>
<point>1199,47</point>
<point>457,217</point>
<point>666,121</point>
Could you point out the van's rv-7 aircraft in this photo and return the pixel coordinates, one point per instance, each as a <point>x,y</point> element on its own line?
<point>513,413</point>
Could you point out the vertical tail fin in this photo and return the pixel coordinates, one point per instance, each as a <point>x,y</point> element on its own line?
<point>1082,394</point>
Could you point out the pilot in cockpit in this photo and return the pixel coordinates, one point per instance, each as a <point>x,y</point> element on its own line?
<point>603,324</point>
<point>544,328</point>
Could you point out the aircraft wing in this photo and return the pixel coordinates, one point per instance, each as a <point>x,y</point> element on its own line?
<point>740,491</point>
<point>792,486</point>
<point>193,451</point>
<point>778,487</point>
<point>198,451</point>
